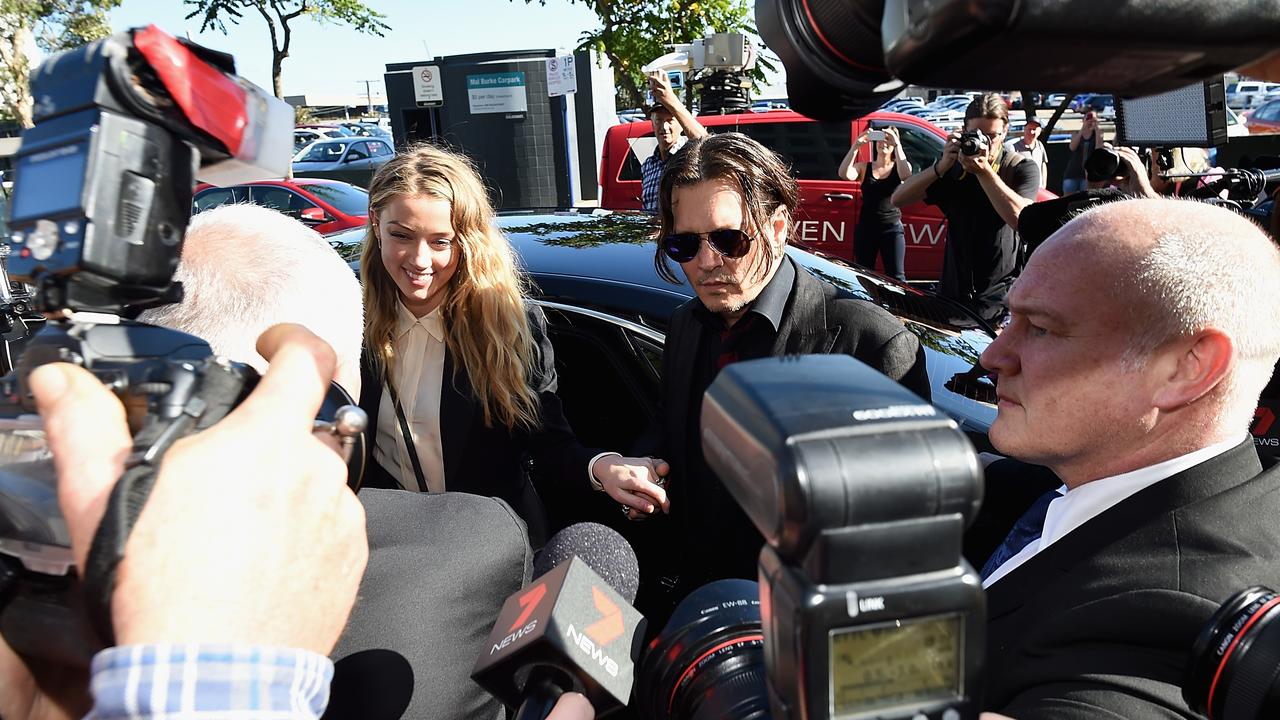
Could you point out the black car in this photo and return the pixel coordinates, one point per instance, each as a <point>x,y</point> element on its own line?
<point>608,311</point>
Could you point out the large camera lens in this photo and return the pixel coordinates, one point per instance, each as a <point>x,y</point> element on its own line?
<point>832,52</point>
<point>708,662</point>
<point>1235,662</point>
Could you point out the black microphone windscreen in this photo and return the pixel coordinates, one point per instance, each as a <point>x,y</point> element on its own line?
<point>601,548</point>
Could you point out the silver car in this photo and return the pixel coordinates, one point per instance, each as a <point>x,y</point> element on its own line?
<point>348,153</point>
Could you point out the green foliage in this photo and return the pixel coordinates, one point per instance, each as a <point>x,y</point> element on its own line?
<point>54,25</point>
<point>634,32</point>
<point>216,13</point>
<point>279,13</point>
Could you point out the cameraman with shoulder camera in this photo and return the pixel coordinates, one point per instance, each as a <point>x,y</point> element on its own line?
<point>980,188</point>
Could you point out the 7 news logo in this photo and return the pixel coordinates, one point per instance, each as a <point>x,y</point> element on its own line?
<point>528,603</point>
<point>593,639</point>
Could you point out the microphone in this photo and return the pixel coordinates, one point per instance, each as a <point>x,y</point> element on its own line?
<point>601,548</point>
<point>570,630</point>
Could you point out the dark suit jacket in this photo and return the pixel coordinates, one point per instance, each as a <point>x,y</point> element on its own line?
<point>818,318</point>
<point>1100,624</point>
<point>487,460</point>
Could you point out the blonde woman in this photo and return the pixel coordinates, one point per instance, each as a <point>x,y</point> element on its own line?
<point>457,375</point>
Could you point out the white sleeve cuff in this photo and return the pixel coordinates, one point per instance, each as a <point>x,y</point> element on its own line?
<point>592,478</point>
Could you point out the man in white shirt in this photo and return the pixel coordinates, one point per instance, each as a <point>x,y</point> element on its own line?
<point>1142,334</point>
<point>1030,146</point>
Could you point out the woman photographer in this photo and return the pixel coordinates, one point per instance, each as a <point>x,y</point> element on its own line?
<point>458,375</point>
<point>1083,142</point>
<point>879,227</point>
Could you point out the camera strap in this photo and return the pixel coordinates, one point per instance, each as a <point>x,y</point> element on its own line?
<point>409,445</point>
<point>219,388</point>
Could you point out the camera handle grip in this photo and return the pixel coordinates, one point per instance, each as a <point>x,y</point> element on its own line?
<point>220,389</point>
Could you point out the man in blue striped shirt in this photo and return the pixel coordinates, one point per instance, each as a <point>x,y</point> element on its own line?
<point>672,121</point>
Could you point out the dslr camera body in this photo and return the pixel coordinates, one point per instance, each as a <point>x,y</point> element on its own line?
<point>974,142</point>
<point>124,126</point>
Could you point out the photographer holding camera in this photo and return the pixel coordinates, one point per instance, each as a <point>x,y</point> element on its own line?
<point>981,188</point>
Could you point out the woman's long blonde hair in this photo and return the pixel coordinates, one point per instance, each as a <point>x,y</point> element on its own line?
<point>483,311</point>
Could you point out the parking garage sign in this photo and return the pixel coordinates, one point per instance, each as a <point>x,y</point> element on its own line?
<point>497,93</point>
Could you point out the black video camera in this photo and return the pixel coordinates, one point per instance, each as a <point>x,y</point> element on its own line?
<point>102,198</point>
<point>862,492</point>
<point>845,59</point>
<point>974,142</point>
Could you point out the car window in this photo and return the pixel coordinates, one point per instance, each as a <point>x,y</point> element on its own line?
<point>637,150</point>
<point>813,149</point>
<point>357,151</point>
<point>213,197</point>
<point>379,148</point>
<point>323,152</point>
<point>347,198</point>
<point>921,147</point>
<point>1270,111</point>
<point>280,199</point>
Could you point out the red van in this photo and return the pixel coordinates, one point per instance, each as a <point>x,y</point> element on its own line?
<point>829,206</point>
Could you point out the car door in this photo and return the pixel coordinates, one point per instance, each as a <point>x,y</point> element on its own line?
<point>380,153</point>
<point>356,157</point>
<point>813,150</point>
<point>923,225</point>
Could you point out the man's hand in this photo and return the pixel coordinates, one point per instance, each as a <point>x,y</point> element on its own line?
<point>950,153</point>
<point>1135,178</point>
<point>635,482</point>
<point>660,87</point>
<point>976,164</point>
<point>250,534</point>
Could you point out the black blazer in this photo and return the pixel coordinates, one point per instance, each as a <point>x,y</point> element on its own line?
<point>819,318</point>
<point>1100,624</point>
<point>487,460</point>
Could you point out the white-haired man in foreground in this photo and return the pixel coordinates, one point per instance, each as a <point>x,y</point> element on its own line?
<point>245,268</point>
<point>1142,334</point>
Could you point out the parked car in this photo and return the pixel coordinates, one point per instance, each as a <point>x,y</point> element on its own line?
<point>1265,119</point>
<point>328,206</point>
<point>303,137</point>
<point>1247,94</point>
<point>608,311</point>
<point>351,153</point>
<point>325,130</point>
<point>366,129</point>
<point>1097,102</point>
<point>829,205</point>
<point>1054,100</point>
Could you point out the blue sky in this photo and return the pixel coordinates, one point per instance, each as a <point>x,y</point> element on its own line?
<point>335,58</point>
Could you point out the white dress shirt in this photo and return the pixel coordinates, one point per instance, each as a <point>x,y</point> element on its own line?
<point>417,372</point>
<point>1076,507</point>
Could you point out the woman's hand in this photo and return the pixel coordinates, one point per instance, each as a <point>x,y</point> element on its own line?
<point>636,483</point>
<point>891,138</point>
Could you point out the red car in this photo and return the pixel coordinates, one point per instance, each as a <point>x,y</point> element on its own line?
<point>329,206</point>
<point>1265,118</point>
<point>829,205</point>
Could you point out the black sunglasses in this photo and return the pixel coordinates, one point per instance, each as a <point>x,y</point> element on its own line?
<point>683,247</point>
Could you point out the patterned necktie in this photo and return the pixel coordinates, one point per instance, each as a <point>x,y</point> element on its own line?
<point>1026,531</point>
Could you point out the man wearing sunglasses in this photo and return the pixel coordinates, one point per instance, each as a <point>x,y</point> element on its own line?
<point>726,206</point>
